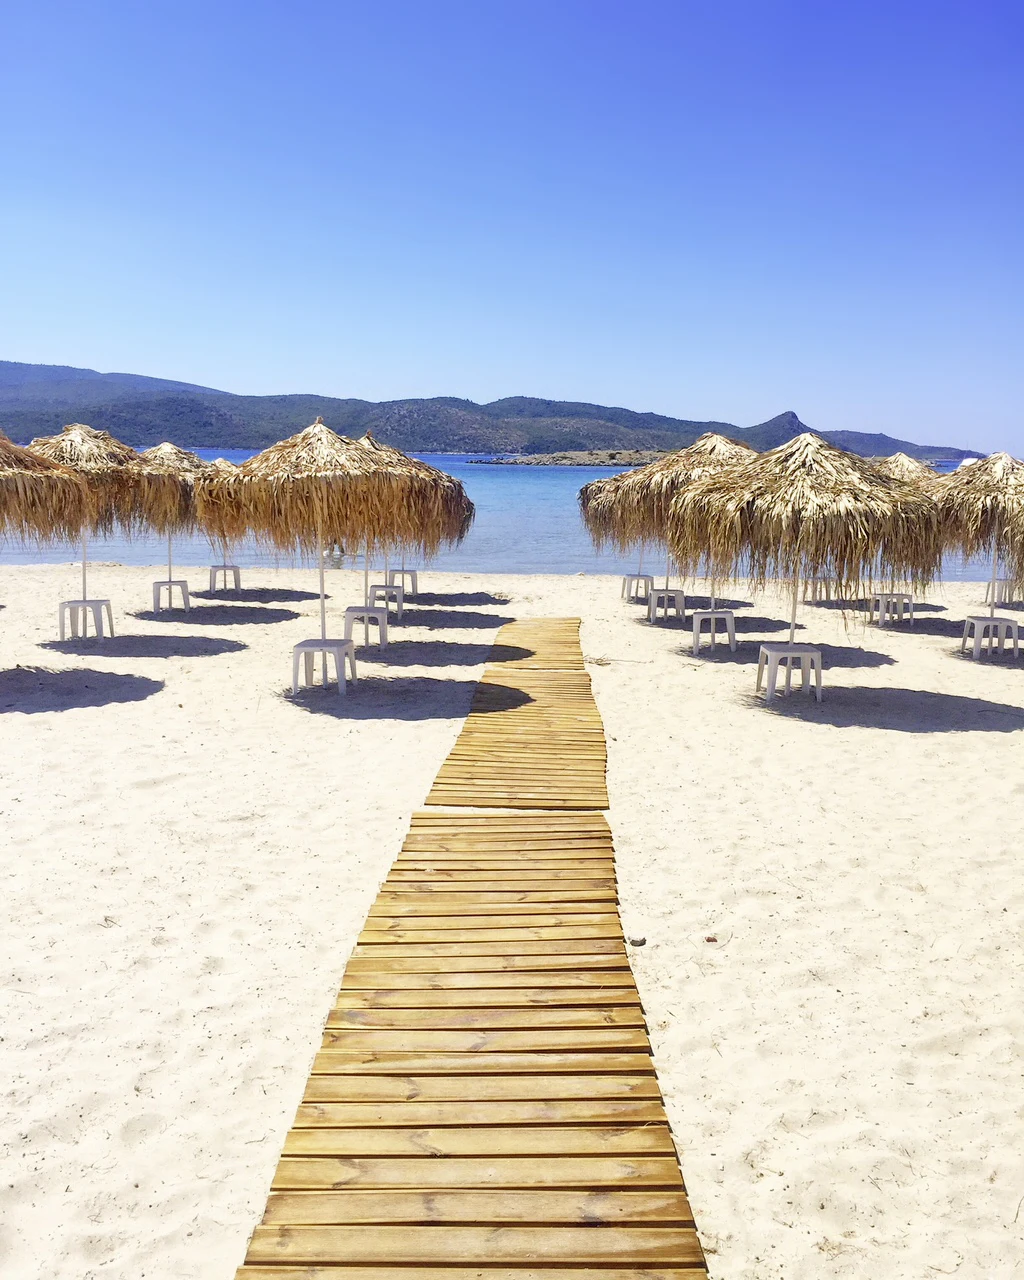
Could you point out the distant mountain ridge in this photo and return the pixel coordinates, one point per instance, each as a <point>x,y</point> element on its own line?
<point>39,399</point>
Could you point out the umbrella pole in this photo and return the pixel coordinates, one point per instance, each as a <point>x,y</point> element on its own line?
<point>668,565</point>
<point>85,560</point>
<point>366,577</point>
<point>792,616</point>
<point>995,572</point>
<point>170,575</point>
<point>323,599</point>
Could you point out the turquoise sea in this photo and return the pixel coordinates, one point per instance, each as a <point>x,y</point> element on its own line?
<point>527,521</point>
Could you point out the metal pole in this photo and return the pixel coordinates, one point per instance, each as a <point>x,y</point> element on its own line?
<point>323,598</point>
<point>792,616</point>
<point>995,571</point>
<point>169,573</point>
<point>366,577</point>
<point>85,554</point>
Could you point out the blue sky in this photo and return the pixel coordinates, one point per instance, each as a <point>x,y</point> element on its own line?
<point>715,210</point>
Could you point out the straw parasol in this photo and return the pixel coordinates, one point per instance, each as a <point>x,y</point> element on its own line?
<point>166,490</point>
<point>38,498</point>
<point>633,507</point>
<point>807,510</point>
<point>109,469</point>
<point>981,508</point>
<point>318,487</point>
<point>901,466</point>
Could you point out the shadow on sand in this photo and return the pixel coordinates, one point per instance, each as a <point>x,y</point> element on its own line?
<point>457,598</point>
<point>259,595</point>
<point>441,619</point>
<point>219,615</point>
<point>35,689</point>
<point>147,646</point>
<point>832,655</point>
<point>439,653</point>
<point>902,711</point>
<point>402,698</point>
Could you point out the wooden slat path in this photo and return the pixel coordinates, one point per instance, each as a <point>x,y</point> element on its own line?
<point>484,1104</point>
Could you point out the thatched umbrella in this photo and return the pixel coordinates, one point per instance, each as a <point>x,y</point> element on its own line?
<point>459,510</point>
<point>633,507</point>
<point>803,510</point>
<point>318,487</point>
<point>981,508</point>
<point>901,466</point>
<point>38,498</point>
<point>170,507</point>
<point>110,472</point>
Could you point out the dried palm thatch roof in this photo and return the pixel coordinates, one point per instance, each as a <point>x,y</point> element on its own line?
<point>634,506</point>
<point>318,487</point>
<point>807,509</point>
<point>165,486</point>
<point>38,498</point>
<point>458,506</point>
<point>106,465</point>
<point>981,508</point>
<point>901,466</point>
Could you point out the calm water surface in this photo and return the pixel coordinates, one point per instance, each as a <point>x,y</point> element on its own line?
<point>527,521</point>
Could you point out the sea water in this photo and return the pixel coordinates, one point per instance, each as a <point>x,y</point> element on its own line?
<point>527,521</point>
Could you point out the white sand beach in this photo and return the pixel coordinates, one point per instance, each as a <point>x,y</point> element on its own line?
<point>830,897</point>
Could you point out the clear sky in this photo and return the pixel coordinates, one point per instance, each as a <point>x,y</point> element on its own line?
<point>716,209</point>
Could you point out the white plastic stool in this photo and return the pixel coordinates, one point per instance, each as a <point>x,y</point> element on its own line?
<point>159,587</point>
<point>637,586</point>
<point>780,652</point>
<point>367,614</point>
<point>991,629</point>
<point>891,606</point>
<point>1004,591</point>
<point>381,591</point>
<point>340,650</point>
<point>225,569</point>
<point>398,576</point>
<point>76,612</point>
<point>712,617</point>
<point>659,598</point>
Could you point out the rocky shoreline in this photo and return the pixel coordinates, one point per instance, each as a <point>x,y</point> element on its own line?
<point>622,458</point>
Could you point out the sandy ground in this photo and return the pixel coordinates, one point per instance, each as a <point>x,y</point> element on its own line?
<point>829,895</point>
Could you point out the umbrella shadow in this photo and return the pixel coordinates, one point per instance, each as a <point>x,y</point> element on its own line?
<point>458,598</point>
<point>403,698</point>
<point>219,615</point>
<point>259,595</point>
<point>439,653</point>
<point>166,646</point>
<point>440,619</point>
<point>901,711</point>
<point>32,690</point>
<point>832,655</point>
<point>704,602</point>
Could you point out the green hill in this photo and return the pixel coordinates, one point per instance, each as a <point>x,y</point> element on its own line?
<point>39,399</point>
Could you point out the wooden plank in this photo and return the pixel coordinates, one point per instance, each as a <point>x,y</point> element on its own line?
<point>359,978</point>
<point>415,1063</point>
<point>464,1114</point>
<point>460,922</point>
<point>517,1140</point>
<point>539,1040</point>
<point>565,943</point>
<point>402,1246</point>
<point>397,900</point>
<point>316,1173</point>
<point>467,1089</point>
<point>443,960</point>
<point>466,1273</point>
<point>468,1208</point>
<point>493,998</point>
<point>509,936</point>
<point>448,1018</point>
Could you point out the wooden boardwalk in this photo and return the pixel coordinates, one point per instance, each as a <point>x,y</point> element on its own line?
<point>484,1105</point>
